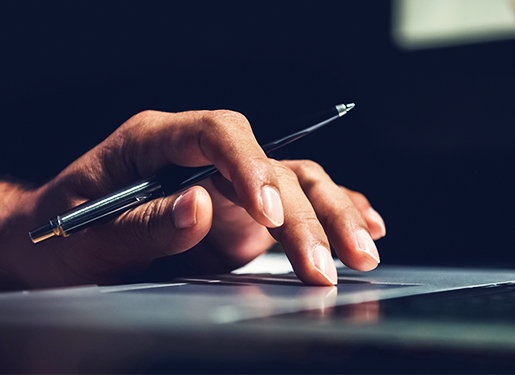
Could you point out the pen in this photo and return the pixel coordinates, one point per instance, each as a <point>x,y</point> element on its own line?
<point>165,182</point>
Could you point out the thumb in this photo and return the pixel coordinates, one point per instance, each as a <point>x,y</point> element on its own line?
<point>163,226</point>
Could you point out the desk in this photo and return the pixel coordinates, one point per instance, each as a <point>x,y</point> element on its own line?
<point>250,323</point>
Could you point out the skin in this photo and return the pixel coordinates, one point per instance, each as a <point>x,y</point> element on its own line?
<point>217,226</point>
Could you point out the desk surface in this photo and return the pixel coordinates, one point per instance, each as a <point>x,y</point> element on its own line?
<point>246,322</point>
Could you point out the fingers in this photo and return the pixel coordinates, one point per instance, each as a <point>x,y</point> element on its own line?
<point>341,220</point>
<point>152,140</point>
<point>302,235</point>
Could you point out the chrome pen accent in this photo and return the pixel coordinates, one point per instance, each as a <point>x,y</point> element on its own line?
<point>159,185</point>
<point>84,215</point>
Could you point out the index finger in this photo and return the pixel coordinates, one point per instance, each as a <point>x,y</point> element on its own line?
<point>152,140</point>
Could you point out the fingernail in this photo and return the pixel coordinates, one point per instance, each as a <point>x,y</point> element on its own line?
<point>374,216</point>
<point>324,263</point>
<point>272,205</point>
<point>185,209</point>
<point>367,245</point>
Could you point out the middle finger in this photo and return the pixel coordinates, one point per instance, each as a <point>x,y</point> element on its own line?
<point>302,236</point>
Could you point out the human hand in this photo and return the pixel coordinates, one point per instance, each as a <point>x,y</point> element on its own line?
<point>295,201</point>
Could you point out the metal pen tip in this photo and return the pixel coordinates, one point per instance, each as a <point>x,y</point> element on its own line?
<point>344,108</point>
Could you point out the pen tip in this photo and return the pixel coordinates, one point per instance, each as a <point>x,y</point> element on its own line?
<point>344,108</point>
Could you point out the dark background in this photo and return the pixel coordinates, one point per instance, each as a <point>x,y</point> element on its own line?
<point>430,142</point>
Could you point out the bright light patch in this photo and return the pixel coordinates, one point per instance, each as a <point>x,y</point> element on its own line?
<point>419,24</point>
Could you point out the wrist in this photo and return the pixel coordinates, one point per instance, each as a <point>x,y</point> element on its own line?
<point>17,214</point>
<point>17,204</point>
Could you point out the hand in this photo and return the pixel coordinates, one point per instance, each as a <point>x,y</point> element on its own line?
<point>294,201</point>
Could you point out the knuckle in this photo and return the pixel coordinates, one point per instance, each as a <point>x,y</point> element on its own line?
<point>340,216</point>
<point>356,196</point>
<point>307,219</point>
<point>282,170</point>
<point>229,115</point>
<point>138,125</point>
<point>310,174</point>
<point>225,119</point>
<point>305,222</point>
<point>309,168</point>
<point>150,223</point>
<point>143,117</point>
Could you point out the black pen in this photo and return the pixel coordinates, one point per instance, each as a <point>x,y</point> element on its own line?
<point>163,183</point>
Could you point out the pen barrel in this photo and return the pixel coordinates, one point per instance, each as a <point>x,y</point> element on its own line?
<point>175,178</point>
<point>105,208</point>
